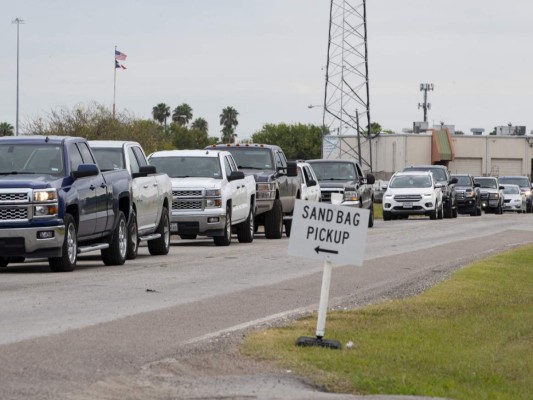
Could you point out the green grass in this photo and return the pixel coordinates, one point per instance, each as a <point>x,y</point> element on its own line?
<point>378,211</point>
<point>470,337</point>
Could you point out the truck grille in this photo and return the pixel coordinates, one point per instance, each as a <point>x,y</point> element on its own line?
<point>187,205</point>
<point>13,214</point>
<point>460,195</point>
<point>407,197</point>
<point>484,195</point>
<point>187,193</point>
<point>8,197</point>
<point>326,195</point>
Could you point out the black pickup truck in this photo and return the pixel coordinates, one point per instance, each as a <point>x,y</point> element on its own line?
<point>277,184</point>
<point>55,203</point>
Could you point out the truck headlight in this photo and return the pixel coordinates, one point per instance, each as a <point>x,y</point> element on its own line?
<point>213,203</point>
<point>350,195</point>
<point>212,193</point>
<point>45,211</point>
<point>469,193</point>
<point>265,191</point>
<point>45,195</point>
<point>494,196</point>
<point>213,199</point>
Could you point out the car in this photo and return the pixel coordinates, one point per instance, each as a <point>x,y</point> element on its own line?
<point>513,198</point>
<point>310,189</point>
<point>525,188</point>
<point>413,193</point>
<point>380,186</point>
<point>442,175</point>
<point>491,194</point>
<point>467,195</point>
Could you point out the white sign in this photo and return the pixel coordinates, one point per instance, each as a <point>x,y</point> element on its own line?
<point>328,232</point>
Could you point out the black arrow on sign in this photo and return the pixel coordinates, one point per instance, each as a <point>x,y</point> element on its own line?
<point>318,250</point>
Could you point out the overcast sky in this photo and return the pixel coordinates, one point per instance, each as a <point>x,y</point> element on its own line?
<point>265,58</point>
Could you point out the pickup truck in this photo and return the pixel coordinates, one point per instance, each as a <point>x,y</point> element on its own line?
<point>210,196</point>
<point>55,202</point>
<point>151,194</point>
<point>345,179</point>
<point>491,194</point>
<point>467,195</point>
<point>277,183</point>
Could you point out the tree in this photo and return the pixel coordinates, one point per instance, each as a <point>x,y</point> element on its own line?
<point>375,128</point>
<point>182,114</point>
<point>200,124</point>
<point>298,141</point>
<point>6,129</point>
<point>160,113</point>
<point>228,121</point>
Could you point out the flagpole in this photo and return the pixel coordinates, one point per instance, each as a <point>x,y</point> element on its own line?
<point>114,82</point>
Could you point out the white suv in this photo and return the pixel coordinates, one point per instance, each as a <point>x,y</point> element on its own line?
<point>412,193</point>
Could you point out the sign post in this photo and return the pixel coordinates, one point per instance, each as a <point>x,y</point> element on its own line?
<point>334,234</point>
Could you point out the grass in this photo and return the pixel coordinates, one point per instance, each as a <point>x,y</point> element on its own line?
<point>378,211</point>
<point>470,337</point>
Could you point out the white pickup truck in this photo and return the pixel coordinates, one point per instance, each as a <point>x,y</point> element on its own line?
<point>151,194</point>
<point>211,197</point>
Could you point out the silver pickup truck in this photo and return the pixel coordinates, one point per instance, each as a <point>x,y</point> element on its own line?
<point>211,197</point>
<point>151,194</point>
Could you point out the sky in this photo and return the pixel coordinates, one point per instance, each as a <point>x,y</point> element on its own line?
<point>267,58</point>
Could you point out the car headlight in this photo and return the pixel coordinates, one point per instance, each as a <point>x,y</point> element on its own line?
<point>46,195</point>
<point>388,196</point>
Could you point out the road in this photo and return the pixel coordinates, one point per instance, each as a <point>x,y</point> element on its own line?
<point>66,335</point>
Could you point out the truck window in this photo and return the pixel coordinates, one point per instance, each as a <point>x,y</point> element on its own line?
<point>281,162</point>
<point>75,156</point>
<point>134,164</point>
<point>141,159</point>
<point>227,166</point>
<point>109,158</point>
<point>86,153</point>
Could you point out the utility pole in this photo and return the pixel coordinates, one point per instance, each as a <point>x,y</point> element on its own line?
<point>425,87</point>
<point>17,21</point>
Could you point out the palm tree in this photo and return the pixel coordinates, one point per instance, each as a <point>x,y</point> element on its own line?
<point>160,113</point>
<point>6,129</point>
<point>200,124</point>
<point>182,114</point>
<point>228,121</point>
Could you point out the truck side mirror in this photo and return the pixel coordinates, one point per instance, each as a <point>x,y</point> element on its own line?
<point>292,168</point>
<point>477,185</point>
<point>370,179</point>
<point>145,170</point>
<point>85,170</point>
<point>235,175</point>
<point>453,180</point>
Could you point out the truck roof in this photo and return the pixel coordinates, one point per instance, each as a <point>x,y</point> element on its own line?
<point>187,153</point>
<point>39,139</point>
<point>329,160</point>
<point>111,143</point>
<point>221,146</point>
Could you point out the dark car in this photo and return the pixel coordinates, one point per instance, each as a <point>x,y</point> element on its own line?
<point>442,175</point>
<point>467,195</point>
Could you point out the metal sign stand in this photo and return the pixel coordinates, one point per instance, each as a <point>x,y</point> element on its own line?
<point>322,311</point>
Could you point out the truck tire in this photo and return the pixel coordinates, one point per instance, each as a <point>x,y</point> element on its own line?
<point>115,254</point>
<point>246,229</point>
<point>440,214</point>
<point>371,216</point>
<point>69,250</point>
<point>3,262</point>
<point>274,221</point>
<point>161,245</point>
<point>133,238</point>
<point>225,239</point>
<point>448,211</point>
<point>288,227</point>
<point>434,214</point>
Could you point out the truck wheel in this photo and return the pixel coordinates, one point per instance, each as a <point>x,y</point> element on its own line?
<point>434,214</point>
<point>440,213</point>
<point>448,211</point>
<point>225,239</point>
<point>455,212</point>
<point>288,227</point>
<point>371,216</point>
<point>3,262</point>
<point>69,250</point>
<point>246,229</point>
<point>499,210</point>
<point>161,246</point>
<point>115,254</point>
<point>528,208</point>
<point>133,238</point>
<point>274,221</point>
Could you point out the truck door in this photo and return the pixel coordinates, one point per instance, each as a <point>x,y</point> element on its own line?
<point>144,189</point>
<point>85,187</point>
<point>103,195</point>
<point>238,188</point>
<point>285,191</point>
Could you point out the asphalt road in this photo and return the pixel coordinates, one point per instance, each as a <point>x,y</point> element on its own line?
<point>100,331</point>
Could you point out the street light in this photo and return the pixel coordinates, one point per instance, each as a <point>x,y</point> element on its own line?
<point>17,21</point>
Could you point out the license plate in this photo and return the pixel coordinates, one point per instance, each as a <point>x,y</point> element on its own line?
<point>407,205</point>
<point>174,227</point>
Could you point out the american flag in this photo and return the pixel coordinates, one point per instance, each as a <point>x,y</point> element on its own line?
<point>120,56</point>
<point>118,65</point>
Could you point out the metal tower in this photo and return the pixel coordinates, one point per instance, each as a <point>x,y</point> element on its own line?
<point>346,95</point>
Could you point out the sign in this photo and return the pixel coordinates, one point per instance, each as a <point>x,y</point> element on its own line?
<point>331,147</point>
<point>329,232</point>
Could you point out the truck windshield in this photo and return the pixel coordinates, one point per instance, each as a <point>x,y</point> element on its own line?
<point>332,171</point>
<point>252,157</point>
<point>487,183</point>
<point>25,158</point>
<point>108,158</point>
<point>520,181</point>
<point>187,167</point>
<point>463,181</point>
